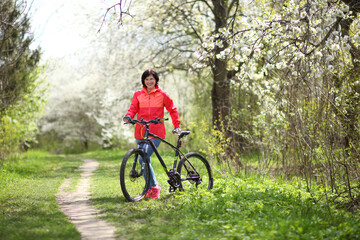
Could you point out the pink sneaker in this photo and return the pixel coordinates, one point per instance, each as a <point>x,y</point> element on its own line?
<point>155,192</point>
<point>148,194</point>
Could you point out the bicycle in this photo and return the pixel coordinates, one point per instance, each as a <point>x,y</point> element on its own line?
<point>192,170</point>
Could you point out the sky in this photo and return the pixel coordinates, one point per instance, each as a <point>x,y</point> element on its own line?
<point>59,25</point>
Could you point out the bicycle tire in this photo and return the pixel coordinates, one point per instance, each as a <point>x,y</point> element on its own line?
<point>195,172</point>
<point>133,184</point>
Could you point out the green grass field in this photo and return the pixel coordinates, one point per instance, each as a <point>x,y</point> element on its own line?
<point>250,207</point>
<point>28,207</point>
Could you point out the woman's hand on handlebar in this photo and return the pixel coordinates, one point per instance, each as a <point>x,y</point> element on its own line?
<point>127,119</point>
<point>177,131</point>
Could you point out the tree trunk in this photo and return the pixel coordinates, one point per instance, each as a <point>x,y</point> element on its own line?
<point>86,144</point>
<point>220,93</point>
<point>221,88</point>
<point>220,96</point>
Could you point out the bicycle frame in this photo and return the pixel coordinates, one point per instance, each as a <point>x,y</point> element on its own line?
<point>178,153</point>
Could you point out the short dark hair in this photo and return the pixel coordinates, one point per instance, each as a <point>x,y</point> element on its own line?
<point>148,73</point>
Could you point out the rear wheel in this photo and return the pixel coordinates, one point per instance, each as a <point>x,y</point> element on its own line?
<point>195,172</point>
<point>134,178</point>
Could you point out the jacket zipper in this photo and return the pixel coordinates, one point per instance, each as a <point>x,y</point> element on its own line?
<point>149,107</point>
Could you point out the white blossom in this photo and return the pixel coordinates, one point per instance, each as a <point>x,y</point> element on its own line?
<point>299,55</point>
<point>335,47</point>
<point>227,51</point>
<point>303,14</point>
<point>219,43</point>
<point>346,46</point>
<point>246,50</point>
<point>318,54</point>
<point>339,13</point>
<point>330,58</point>
<point>357,37</point>
<point>269,66</point>
<point>344,8</point>
<point>257,51</point>
<point>280,65</point>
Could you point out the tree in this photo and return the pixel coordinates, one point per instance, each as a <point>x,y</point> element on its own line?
<point>17,60</point>
<point>307,80</point>
<point>73,122</point>
<point>21,93</point>
<point>18,124</point>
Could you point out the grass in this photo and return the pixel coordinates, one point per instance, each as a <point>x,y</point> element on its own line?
<point>28,207</point>
<point>251,207</point>
<point>247,207</point>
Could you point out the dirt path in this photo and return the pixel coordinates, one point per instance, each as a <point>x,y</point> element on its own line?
<point>76,205</point>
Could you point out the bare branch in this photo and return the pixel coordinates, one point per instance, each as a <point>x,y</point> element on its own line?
<point>121,4</point>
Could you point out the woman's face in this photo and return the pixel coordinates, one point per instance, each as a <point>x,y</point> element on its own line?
<point>150,82</point>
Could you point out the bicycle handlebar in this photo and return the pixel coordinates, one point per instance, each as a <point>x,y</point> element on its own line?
<point>155,121</point>
<point>144,122</point>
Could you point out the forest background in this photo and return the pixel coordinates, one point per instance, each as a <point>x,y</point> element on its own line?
<point>278,80</point>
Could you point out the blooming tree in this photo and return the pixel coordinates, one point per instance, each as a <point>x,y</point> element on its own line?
<point>290,69</point>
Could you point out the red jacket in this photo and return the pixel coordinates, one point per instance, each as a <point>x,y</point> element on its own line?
<point>150,105</point>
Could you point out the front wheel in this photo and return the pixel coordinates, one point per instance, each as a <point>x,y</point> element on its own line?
<point>134,176</point>
<point>195,172</point>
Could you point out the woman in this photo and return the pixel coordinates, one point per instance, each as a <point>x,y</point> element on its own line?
<point>148,103</point>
